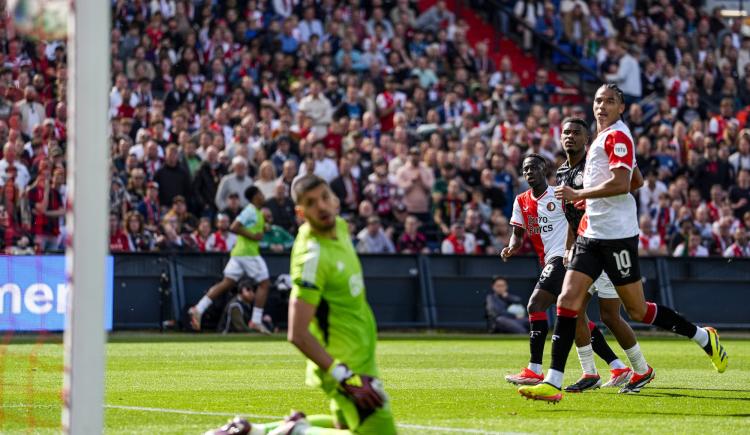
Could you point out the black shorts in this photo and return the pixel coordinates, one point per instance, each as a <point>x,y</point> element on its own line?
<point>552,276</point>
<point>617,257</point>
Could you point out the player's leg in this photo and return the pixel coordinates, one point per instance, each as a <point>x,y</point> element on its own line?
<point>590,378</point>
<point>586,265</point>
<point>539,327</point>
<point>296,423</point>
<point>346,414</point>
<point>625,275</point>
<point>232,274</point>
<point>256,268</point>
<point>609,311</point>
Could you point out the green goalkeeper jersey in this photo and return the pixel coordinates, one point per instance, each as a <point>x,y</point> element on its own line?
<point>327,274</point>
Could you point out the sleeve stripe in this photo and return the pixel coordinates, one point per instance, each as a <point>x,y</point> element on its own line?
<point>310,268</point>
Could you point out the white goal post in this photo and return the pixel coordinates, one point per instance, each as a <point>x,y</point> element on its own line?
<point>87,219</point>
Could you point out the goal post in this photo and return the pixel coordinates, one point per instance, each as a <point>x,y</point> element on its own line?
<point>87,215</point>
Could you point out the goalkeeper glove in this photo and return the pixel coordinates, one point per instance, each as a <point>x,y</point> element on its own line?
<point>366,391</point>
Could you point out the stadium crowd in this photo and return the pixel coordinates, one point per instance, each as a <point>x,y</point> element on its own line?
<point>420,133</point>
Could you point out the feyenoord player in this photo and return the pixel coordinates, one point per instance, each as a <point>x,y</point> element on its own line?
<point>331,323</point>
<point>539,214</point>
<point>608,241</point>
<point>574,138</point>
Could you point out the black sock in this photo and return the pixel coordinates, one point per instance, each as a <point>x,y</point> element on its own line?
<point>537,338</point>
<point>562,338</point>
<point>668,319</point>
<point>600,346</point>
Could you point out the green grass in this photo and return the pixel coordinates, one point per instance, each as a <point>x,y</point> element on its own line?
<point>441,381</point>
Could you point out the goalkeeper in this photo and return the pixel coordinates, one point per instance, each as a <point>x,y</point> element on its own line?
<point>331,323</point>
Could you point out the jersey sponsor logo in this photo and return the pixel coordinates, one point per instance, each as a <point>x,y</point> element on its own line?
<point>551,206</point>
<point>356,284</point>
<point>578,181</point>
<point>621,149</point>
<point>538,225</point>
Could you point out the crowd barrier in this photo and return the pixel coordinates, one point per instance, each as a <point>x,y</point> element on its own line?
<point>429,291</point>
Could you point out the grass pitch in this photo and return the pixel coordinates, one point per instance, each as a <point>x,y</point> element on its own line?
<point>185,384</point>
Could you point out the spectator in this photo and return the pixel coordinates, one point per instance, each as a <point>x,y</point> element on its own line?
<point>712,171</point>
<point>46,208</point>
<point>20,174</point>
<point>139,239</point>
<point>188,222</point>
<point>150,208</point>
<point>740,248</point>
<point>118,240</point>
<point>31,111</point>
<point>482,238</point>
<point>171,239</point>
<point>202,233</point>
<point>324,167</point>
<point>173,178</point>
<point>221,240</point>
<point>458,241</point>
<point>317,107</point>
<point>266,179</point>
<point>692,248</point>
<point>416,181</point>
<point>412,241</point>
<point>373,240</point>
<point>650,242</point>
<point>206,182</point>
<point>435,18</point>
<point>739,195</point>
<point>346,187</point>
<point>275,238</point>
<point>235,182</point>
<point>450,208</point>
<point>498,306</point>
<point>627,74</point>
<point>740,159</point>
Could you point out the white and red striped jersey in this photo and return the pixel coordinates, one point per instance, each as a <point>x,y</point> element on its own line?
<point>614,217</point>
<point>544,220</point>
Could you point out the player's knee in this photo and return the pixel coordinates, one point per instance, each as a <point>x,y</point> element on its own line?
<point>568,301</point>
<point>636,312</point>
<point>534,306</point>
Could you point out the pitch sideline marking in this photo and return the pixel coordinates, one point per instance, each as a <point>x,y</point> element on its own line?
<point>272,417</point>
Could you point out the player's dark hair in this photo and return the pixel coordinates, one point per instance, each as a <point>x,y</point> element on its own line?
<point>539,157</point>
<point>306,184</point>
<point>250,193</point>
<point>616,89</point>
<point>577,120</point>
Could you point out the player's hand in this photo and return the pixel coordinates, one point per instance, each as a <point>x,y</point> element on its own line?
<point>567,193</point>
<point>364,390</point>
<point>580,204</point>
<point>507,252</point>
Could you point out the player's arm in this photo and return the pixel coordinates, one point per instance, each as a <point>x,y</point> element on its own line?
<point>618,184</point>
<point>301,314</point>
<point>240,230</point>
<point>636,182</point>
<point>569,240</point>
<point>516,240</point>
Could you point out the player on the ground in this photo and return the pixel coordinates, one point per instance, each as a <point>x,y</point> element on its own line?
<point>574,138</point>
<point>245,260</point>
<point>539,214</point>
<point>331,323</point>
<point>608,241</point>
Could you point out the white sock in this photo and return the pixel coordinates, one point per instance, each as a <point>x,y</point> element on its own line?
<point>536,368</point>
<point>617,364</point>
<point>203,304</point>
<point>257,315</point>
<point>700,337</point>
<point>586,357</point>
<point>636,359</point>
<point>554,377</point>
